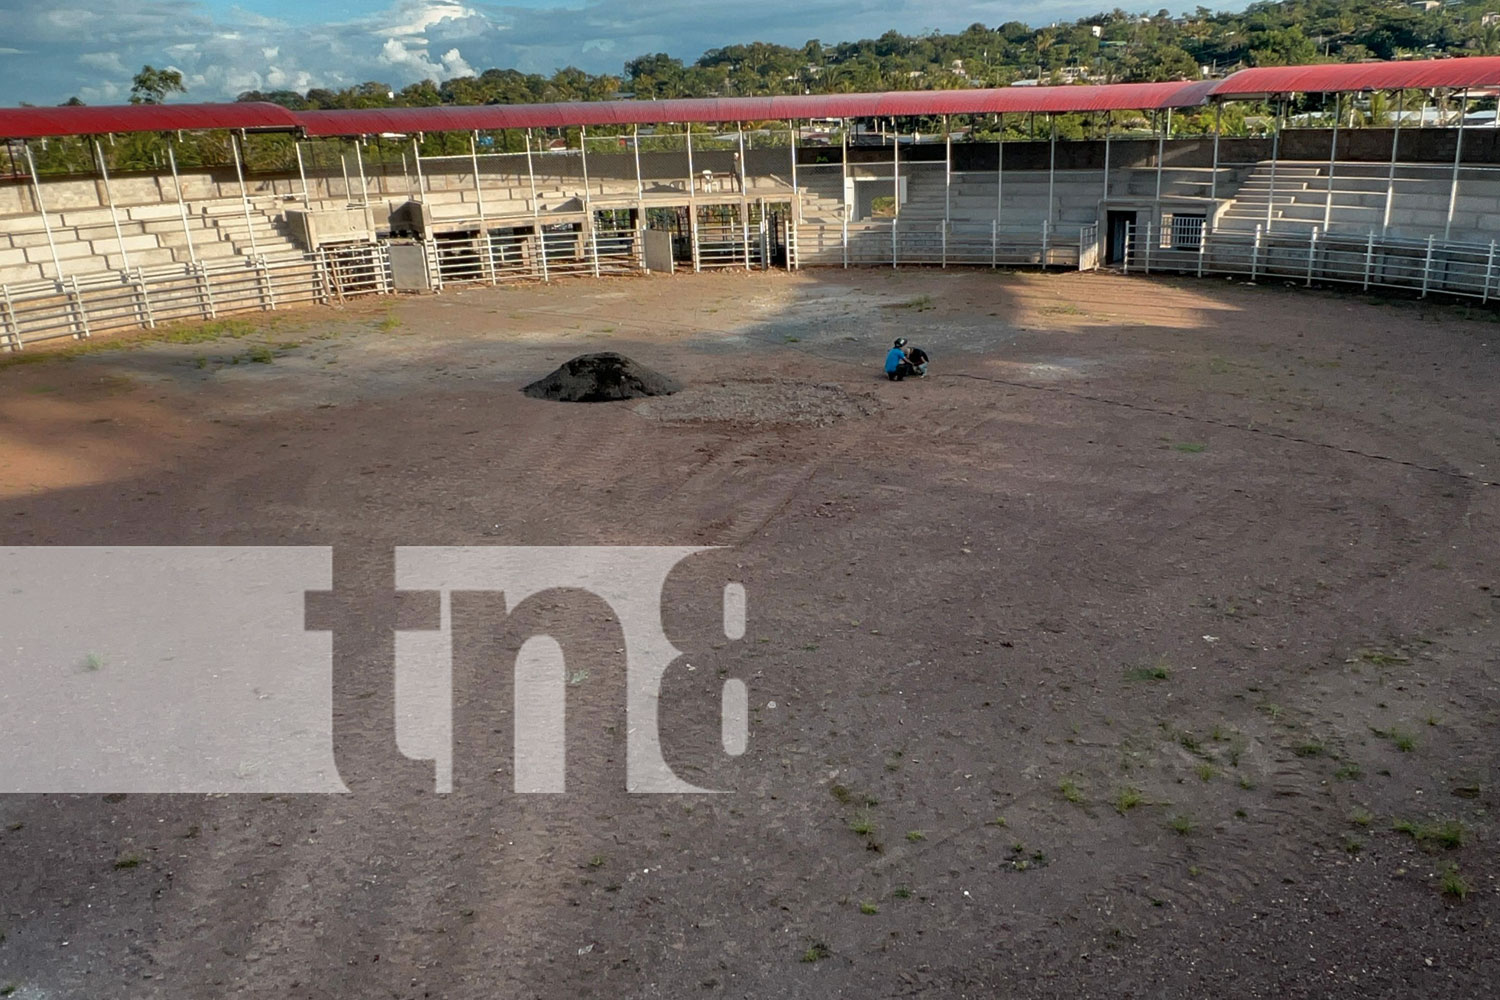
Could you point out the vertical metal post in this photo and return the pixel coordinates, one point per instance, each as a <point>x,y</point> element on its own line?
<point>1000,173</point>
<point>1369,258</point>
<point>844,195</point>
<point>344,166</point>
<point>1390,178</point>
<point>692,202</point>
<point>302,173</point>
<point>187,232</point>
<point>896,185</point>
<point>1312,253</point>
<point>114,213</point>
<point>1213,179</point>
<point>1150,238</point>
<point>1255,255</point>
<point>744,197</point>
<point>41,208</point>
<point>640,186</point>
<point>1275,152</point>
<point>947,185</point>
<point>1107,123</point>
<point>416,155</point>
<point>583,156</point>
<point>140,284</point>
<point>239,172</point>
<point>1458,153</point>
<point>536,217</point>
<point>796,191</point>
<point>1427,267</point>
<point>15,328</point>
<point>1161,148</point>
<point>1489,271</point>
<point>1333,153</point>
<point>994,244</point>
<point>1051,169</point>
<point>474,166</point>
<point>364,187</point>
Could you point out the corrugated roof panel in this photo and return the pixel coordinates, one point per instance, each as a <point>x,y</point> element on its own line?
<point>1419,74</point>
<point>37,123</point>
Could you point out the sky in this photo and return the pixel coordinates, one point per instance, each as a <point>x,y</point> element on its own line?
<point>51,50</point>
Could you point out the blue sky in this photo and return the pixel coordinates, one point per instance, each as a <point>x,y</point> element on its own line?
<point>56,49</point>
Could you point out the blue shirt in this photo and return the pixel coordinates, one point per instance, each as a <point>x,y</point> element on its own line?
<point>893,359</point>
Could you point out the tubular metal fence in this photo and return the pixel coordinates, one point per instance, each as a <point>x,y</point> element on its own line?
<point>1430,266</point>
<point>938,244</point>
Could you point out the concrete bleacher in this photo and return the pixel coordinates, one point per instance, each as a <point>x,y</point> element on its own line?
<point>1355,201</point>
<point>86,240</point>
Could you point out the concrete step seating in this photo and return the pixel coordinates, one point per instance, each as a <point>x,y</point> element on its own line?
<point>1354,200</point>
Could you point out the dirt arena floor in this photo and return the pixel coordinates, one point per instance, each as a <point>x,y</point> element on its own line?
<point>1147,649</point>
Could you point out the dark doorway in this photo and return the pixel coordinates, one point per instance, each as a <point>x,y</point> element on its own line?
<point>1119,224</point>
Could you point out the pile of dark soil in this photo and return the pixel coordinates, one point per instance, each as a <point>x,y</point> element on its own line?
<point>599,378</point>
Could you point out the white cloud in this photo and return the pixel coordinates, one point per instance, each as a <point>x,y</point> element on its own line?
<point>224,52</point>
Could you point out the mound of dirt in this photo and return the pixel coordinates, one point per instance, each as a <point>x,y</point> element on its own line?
<point>760,402</point>
<point>599,378</point>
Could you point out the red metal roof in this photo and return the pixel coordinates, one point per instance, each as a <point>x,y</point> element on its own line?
<point>1117,97</point>
<point>1474,71</point>
<point>1423,74</point>
<point>35,123</point>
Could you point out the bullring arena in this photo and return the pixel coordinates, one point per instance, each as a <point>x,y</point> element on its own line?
<point>1146,647</point>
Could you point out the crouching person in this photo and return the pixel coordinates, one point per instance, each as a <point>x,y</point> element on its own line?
<point>897,367</point>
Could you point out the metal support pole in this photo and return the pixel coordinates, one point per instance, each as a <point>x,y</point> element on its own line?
<point>1000,173</point>
<point>1489,272</point>
<point>1312,254</point>
<point>1275,152</point>
<point>239,172</point>
<point>187,232</point>
<point>844,215</point>
<point>536,218</point>
<point>1390,179</point>
<point>1107,123</point>
<point>692,202</point>
<point>1369,258</point>
<point>1333,154</point>
<point>140,284</point>
<point>348,191</point>
<point>796,191</point>
<point>416,154</point>
<point>1051,169</point>
<point>302,173</point>
<point>1161,148</point>
<point>1255,255</point>
<point>114,213</point>
<point>15,328</point>
<point>640,185</point>
<point>947,185</point>
<point>896,184</point>
<point>994,244</point>
<point>1427,267</point>
<point>41,208</point>
<point>474,166</point>
<point>1213,180</point>
<point>583,155</point>
<point>744,200</point>
<point>364,187</point>
<point>1458,153</point>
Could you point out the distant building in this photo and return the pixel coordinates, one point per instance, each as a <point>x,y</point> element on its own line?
<point>1424,4</point>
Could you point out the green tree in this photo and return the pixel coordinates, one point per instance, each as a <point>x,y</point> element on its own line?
<point>152,85</point>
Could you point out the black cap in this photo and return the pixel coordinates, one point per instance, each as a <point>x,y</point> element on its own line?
<point>900,341</point>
